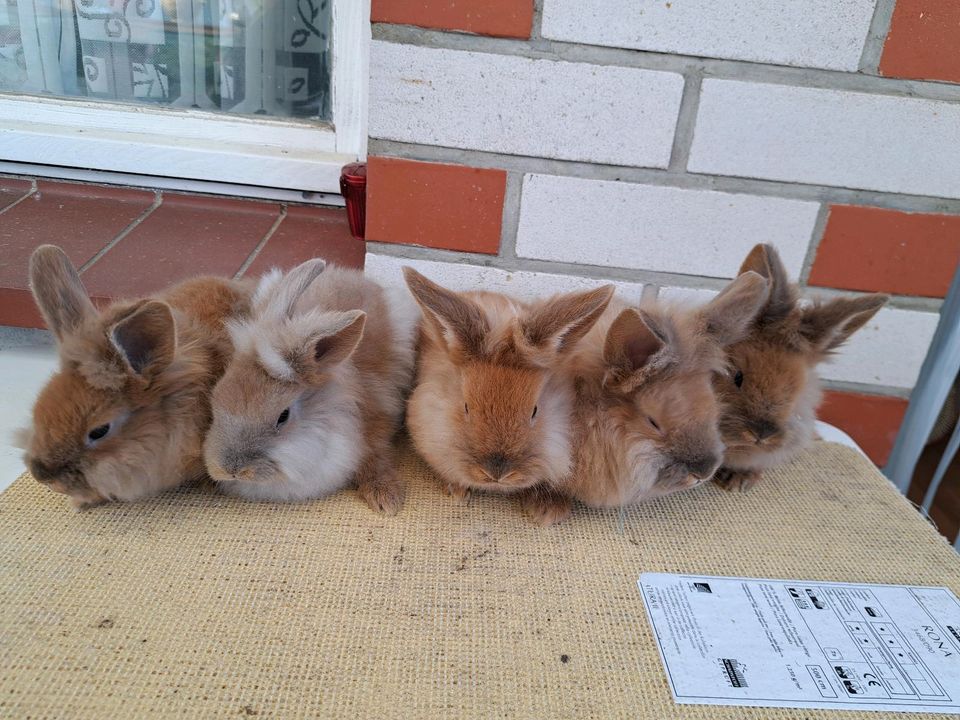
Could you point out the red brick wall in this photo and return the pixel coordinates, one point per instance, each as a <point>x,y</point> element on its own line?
<point>886,231</point>
<point>499,18</point>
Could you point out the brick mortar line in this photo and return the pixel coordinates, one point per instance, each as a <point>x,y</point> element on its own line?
<point>816,237</point>
<point>914,303</point>
<point>541,49</point>
<point>511,215</point>
<point>866,388</point>
<point>536,29</point>
<point>601,273</point>
<point>525,164</point>
<point>650,292</point>
<point>686,122</point>
<point>32,191</point>
<point>262,244</point>
<point>157,201</point>
<point>876,36</point>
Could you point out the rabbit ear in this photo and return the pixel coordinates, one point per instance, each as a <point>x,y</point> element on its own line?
<point>631,341</point>
<point>452,314</point>
<point>58,291</point>
<point>278,294</point>
<point>765,261</point>
<point>830,324</point>
<point>729,315</point>
<point>560,322</point>
<point>146,339</point>
<point>330,345</point>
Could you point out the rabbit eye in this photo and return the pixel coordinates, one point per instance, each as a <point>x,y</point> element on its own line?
<point>466,410</point>
<point>738,378</point>
<point>284,416</point>
<point>653,423</point>
<point>98,433</point>
<point>534,412</point>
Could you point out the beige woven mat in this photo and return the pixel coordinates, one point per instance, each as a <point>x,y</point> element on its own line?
<point>196,605</point>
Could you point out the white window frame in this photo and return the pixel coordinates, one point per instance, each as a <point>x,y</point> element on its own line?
<point>195,145</point>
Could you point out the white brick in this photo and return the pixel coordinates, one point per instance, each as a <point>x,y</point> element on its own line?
<point>889,350</point>
<point>696,232</point>
<point>545,108</point>
<point>828,137</point>
<point>806,33</point>
<point>522,284</point>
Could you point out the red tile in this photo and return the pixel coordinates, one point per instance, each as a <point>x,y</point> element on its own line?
<point>12,189</point>
<point>18,309</point>
<point>501,18</point>
<point>186,236</point>
<point>451,207</point>
<point>879,250</point>
<point>309,232</point>
<point>871,420</point>
<point>923,41</point>
<point>81,219</point>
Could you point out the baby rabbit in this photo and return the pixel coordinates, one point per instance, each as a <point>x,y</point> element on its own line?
<point>490,411</point>
<point>315,391</point>
<point>125,415</point>
<point>645,414</point>
<point>771,391</point>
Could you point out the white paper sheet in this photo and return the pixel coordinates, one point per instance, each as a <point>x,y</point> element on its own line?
<point>803,644</point>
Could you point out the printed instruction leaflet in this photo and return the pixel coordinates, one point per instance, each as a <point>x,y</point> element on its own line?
<point>801,644</point>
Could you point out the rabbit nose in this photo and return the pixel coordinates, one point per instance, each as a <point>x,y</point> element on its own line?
<point>43,472</point>
<point>702,467</point>
<point>63,478</point>
<point>497,465</point>
<point>245,473</point>
<point>238,465</point>
<point>763,429</point>
<point>40,471</point>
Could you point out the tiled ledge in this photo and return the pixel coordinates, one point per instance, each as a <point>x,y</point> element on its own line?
<point>130,242</point>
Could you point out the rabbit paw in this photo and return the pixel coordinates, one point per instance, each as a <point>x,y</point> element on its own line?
<point>545,507</point>
<point>734,480</point>
<point>384,494</point>
<point>81,504</point>
<point>460,493</point>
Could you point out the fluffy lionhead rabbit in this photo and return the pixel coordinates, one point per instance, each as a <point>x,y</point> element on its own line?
<point>124,416</point>
<point>646,417</point>
<point>315,391</point>
<point>771,391</point>
<point>490,411</point>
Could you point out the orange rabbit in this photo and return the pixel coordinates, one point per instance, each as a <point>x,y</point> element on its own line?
<point>125,415</point>
<point>490,410</point>
<point>646,418</point>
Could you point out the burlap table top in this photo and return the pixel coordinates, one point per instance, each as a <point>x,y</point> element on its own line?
<point>198,605</point>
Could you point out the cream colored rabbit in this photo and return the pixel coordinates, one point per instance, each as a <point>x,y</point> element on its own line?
<point>315,393</point>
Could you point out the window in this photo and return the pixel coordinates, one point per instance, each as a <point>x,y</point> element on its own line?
<point>264,93</point>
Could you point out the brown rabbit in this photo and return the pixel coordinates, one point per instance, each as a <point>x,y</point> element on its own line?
<point>771,391</point>
<point>646,416</point>
<point>124,417</point>
<point>490,411</point>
